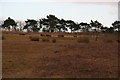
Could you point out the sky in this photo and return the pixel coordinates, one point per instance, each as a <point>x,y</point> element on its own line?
<point>76,10</point>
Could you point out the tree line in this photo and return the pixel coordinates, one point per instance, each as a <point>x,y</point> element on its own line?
<point>53,24</point>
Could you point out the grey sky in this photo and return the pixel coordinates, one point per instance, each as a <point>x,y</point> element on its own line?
<point>77,10</point>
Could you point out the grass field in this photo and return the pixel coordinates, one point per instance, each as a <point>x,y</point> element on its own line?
<point>67,57</point>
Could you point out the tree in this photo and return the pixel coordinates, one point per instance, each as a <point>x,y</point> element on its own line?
<point>40,23</point>
<point>20,25</point>
<point>71,25</point>
<point>85,27</point>
<point>9,22</point>
<point>31,25</point>
<point>45,23</point>
<point>96,25</point>
<point>77,27</point>
<point>104,29</point>
<point>116,25</point>
<point>110,30</point>
<point>50,24</point>
<point>61,26</point>
<point>52,21</point>
<point>1,23</point>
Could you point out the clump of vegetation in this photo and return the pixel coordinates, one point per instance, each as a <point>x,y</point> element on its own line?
<point>54,41</point>
<point>118,41</point>
<point>21,33</point>
<point>48,35</point>
<point>34,38</point>
<point>2,38</point>
<point>45,40</point>
<point>83,40</point>
<point>74,36</point>
<point>42,35</point>
<point>60,35</point>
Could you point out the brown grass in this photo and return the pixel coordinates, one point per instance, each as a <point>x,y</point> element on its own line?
<point>83,40</point>
<point>66,58</point>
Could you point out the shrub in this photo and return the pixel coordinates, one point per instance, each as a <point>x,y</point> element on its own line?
<point>84,40</point>
<point>48,35</point>
<point>42,35</point>
<point>60,35</point>
<point>56,51</point>
<point>2,38</point>
<point>54,40</point>
<point>45,40</point>
<point>74,36</point>
<point>21,33</point>
<point>34,38</point>
<point>118,41</point>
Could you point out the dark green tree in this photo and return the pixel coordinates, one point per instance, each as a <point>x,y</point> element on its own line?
<point>50,24</point>
<point>85,27</point>
<point>61,26</point>
<point>104,29</point>
<point>71,25</point>
<point>110,30</point>
<point>45,25</point>
<point>40,24</point>
<point>97,25</point>
<point>77,27</point>
<point>116,25</point>
<point>9,22</point>
<point>31,25</point>
<point>52,21</point>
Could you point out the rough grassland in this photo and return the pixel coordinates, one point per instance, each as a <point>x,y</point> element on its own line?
<point>66,58</point>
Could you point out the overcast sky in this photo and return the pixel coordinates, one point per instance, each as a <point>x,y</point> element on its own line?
<point>77,10</point>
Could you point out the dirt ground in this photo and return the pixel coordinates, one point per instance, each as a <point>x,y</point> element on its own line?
<point>65,58</point>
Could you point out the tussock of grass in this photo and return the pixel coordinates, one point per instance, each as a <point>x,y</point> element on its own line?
<point>54,41</point>
<point>22,34</point>
<point>48,35</point>
<point>42,35</point>
<point>60,35</point>
<point>34,38</point>
<point>2,38</point>
<point>118,41</point>
<point>45,40</point>
<point>74,36</point>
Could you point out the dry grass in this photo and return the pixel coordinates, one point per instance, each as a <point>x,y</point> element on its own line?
<point>66,58</point>
<point>83,40</point>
